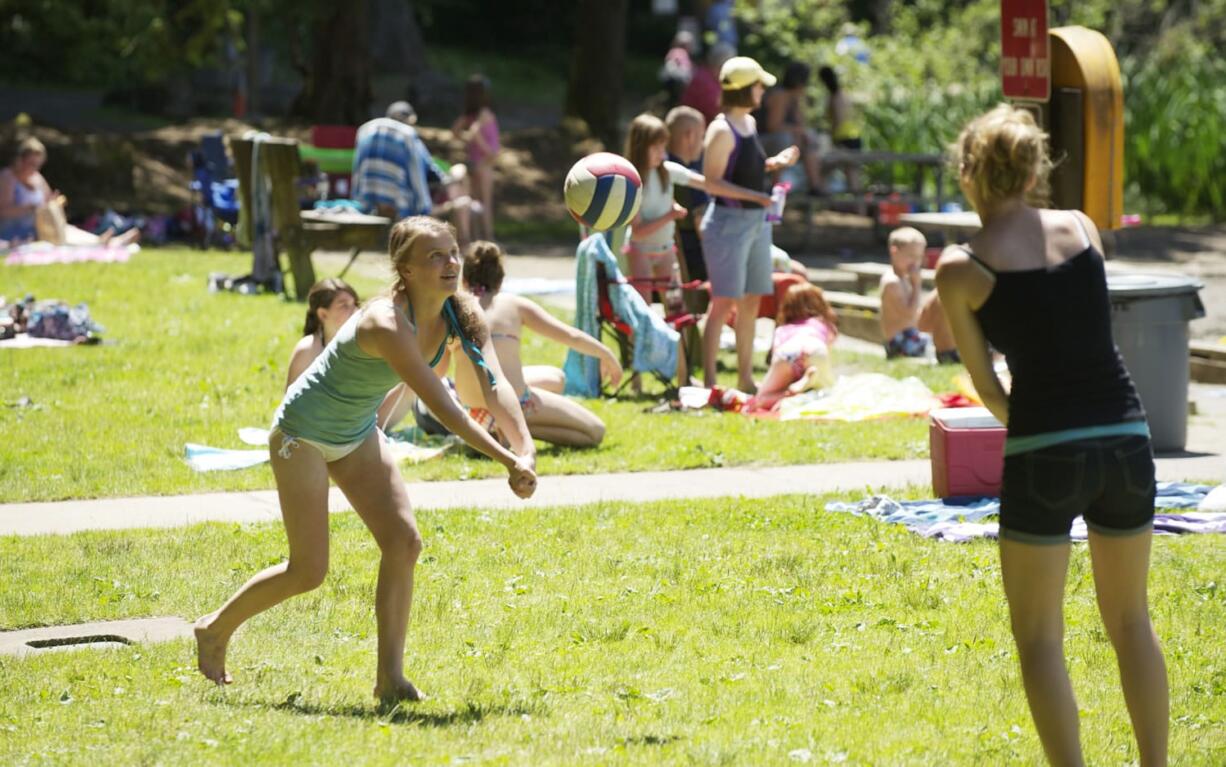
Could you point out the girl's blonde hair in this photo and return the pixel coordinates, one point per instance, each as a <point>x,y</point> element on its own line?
<point>1000,151</point>
<point>400,247</point>
<point>645,131</point>
<point>804,301</point>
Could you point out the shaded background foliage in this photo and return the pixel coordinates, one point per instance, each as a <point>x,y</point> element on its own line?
<point>934,65</point>
<point>933,62</point>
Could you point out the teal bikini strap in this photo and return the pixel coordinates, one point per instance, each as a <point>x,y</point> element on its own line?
<point>471,349</point>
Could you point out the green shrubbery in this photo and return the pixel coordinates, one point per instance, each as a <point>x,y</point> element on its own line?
<point>934,66</point>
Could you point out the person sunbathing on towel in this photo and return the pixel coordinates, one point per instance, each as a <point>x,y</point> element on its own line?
<point>26,197</point>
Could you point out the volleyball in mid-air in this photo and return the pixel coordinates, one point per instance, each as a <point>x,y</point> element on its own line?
<point>603,191</point>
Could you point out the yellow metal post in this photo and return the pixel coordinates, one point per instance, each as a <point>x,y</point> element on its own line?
<point>1083,59</point>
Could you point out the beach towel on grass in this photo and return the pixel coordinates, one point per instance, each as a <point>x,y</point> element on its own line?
<point>206,458</point>
<point>43,253</point>
<point>861,397</point>
<point>960,520</point>
<point>655,343</point>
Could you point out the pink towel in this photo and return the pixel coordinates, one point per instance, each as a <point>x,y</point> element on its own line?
<point>40,254</point>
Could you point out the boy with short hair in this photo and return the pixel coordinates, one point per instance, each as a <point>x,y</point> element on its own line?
<point>909,322</point>
<point>686,127</point>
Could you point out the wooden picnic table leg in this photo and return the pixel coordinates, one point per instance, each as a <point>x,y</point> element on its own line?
<point>301,267</point>
<point>353,256</point>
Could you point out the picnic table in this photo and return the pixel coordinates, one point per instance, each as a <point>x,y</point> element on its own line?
<point>955,227</point>
<point>922,163</point>
<point>300,232</point>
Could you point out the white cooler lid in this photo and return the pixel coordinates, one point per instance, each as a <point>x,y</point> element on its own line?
<point>965,418</point>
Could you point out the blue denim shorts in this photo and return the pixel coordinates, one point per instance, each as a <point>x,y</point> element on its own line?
<point>1107,480</point>
<point>736,245</point>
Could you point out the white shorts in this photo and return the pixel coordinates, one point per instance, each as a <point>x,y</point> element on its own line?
<point>284,444</point>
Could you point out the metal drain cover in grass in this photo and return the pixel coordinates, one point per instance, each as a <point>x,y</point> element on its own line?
<point>106,634</point>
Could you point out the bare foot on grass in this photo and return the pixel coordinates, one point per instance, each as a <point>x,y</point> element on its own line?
<point>812,379</point>
<point>397,691</point>
<point>211,651</point>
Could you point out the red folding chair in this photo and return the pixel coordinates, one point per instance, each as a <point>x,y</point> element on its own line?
<point>623,333</point>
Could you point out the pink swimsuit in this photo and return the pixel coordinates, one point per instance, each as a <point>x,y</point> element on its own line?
<point>489,132</point>
<point>795,341</point>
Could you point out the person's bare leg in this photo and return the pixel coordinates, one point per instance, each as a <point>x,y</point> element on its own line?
<point>932,321</point>
<point>817,373</point>
<point>485,193</point>
<point>545,378</point>
<point>1121,569</point>
<point>561,421</point>
<point>302,488</point>
<point>461,216</point>
<point>717,315</point>
<point>777,379</point>
<point>370,480</point>
<point>746,320</point>
<point>1034,577</point>
<point>127,238</point>
<point>813,176</point>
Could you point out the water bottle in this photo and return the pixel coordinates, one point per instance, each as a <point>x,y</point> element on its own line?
<point>779,195</point>
<point>674,302</point>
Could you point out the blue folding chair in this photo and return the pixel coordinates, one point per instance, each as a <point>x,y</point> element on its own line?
<point>214,193</point>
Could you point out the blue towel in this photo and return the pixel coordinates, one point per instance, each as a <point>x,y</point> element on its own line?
<point>655,343</point>
<point>963,519</point>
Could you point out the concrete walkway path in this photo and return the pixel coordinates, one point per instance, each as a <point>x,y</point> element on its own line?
<point>554,490</point>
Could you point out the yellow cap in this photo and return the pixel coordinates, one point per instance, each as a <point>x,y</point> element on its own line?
<point>741,72</point>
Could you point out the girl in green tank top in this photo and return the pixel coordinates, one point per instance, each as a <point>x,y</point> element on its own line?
<point>324,429</point>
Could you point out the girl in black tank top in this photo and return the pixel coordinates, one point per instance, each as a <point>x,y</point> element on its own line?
<point>1034,287</point>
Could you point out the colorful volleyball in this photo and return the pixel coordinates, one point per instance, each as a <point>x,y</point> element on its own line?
<point>603,191</point>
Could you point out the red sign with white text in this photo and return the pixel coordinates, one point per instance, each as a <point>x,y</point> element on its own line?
<point>1025,55</point>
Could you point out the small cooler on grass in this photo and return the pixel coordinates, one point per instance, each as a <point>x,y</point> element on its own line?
<point>967,445</point>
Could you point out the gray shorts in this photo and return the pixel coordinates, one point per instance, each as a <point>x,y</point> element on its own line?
<point>736,245</point>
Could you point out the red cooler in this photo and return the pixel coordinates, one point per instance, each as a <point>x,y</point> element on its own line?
<point>967,445</point>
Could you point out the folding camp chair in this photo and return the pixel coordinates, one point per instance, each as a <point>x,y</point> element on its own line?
<point>214,192</point>
<point>331,149</point>
<point>683,322</point>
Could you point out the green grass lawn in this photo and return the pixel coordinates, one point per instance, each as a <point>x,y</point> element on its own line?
<point>710,632</point>
<point>183,365</point>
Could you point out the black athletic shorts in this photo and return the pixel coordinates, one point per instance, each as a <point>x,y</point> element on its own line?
<point>1108,480</point>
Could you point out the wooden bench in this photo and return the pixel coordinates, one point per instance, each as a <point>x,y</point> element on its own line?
<point>868,275</point>
<point>859,315</point>
<point>300,233</point>
<point>1207,362</point>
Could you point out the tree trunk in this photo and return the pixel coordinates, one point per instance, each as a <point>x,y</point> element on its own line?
<point>594,92</point>
<point>395,38</point>
<point>337,89</point>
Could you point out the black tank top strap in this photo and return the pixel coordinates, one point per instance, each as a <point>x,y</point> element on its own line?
<point>1086,242</point>
<point>967,249</point>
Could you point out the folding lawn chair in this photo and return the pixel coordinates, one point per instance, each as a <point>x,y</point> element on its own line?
<point>622,332</point>
<point>214,191</point>
<point>331,149</point>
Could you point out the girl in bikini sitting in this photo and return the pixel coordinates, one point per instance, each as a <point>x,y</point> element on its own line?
<point>551,417</point>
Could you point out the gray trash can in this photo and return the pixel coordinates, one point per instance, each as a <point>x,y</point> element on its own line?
<point>1149,319</point>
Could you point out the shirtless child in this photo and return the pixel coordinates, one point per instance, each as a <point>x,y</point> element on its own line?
<point>909,322</point>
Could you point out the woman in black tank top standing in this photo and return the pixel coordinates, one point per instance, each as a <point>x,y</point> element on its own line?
<point>736,239</point>
<point>1032,284</point>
